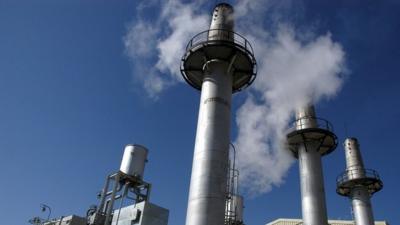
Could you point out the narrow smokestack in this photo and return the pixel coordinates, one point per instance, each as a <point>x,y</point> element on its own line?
<point>358,184</point>
<point>311,138</point>
<point>217,62</point>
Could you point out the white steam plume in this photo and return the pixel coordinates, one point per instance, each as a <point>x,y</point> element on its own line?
<point>294,68</point>
<point>291,74</point>
<point>160,44</point>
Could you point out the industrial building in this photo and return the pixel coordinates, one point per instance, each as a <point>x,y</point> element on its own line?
<point>358,183</point>
<point>125,187</point>
<point>309,140</point>
<point>284,221</point>
<point>219,62</point>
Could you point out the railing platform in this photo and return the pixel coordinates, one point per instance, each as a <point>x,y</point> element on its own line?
<point>349,179</point>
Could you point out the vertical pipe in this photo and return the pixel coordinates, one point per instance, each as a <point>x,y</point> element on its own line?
<point>312,183</point>
<point>208,185</point>
<point>124,194</point>
<point>312,186</point>
<point>362,209</point>
<point>354,162</point>
<point>360,196</point>
<point>112,199</point>
<point>305,118</point>
<point>222,23</point>
<point>101,209</point>
<point>210,161</point>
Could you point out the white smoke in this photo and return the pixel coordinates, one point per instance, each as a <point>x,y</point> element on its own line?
<point>294,68</point>
<point>176,25</point>
<point>291,74</point>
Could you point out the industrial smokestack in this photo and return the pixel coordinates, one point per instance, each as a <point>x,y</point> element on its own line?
<point>358,183</point>
<point>311,138</point>
<point>217,62</point>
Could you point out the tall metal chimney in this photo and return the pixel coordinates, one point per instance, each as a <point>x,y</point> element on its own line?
<point>218,62</point>
<point>358,184</point>
<point>310,139</point>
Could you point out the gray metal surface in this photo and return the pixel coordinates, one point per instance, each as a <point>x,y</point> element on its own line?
<point>311,177</point>
<point>208,185</point>
<point>305,118</point>
<point>207,193</point>
<point>222,19</point>
<point>362,208</point>
<point>220,42</point>
<point>68,220</point>
<point>312,186</point>
<point>143,213</point>
<point>354,162</point>
<point>360,196</point>
<point>134,159</point>
<point>356,175</point>
<point>235,208</point>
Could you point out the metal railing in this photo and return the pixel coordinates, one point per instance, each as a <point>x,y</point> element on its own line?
<point>356,174</point>
<point>303,123</point>
<point>220,35</point>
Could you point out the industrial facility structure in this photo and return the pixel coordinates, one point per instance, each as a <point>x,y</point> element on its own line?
<point>127,188</point>
<point>358,183</point>
<point>283,221</point>
<point>310,139</point>
<point>218,62</point>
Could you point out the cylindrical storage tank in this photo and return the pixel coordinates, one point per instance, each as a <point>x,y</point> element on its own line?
<point>133,161</point>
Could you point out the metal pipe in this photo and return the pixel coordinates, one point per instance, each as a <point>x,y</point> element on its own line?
<point>208,185</point>
<point>311,177</point>
<point>61,219</point>
<point>354,162</point>
<point>362,206</point>
<point>312,186</point>
<point>359,195</point>
<point>112,199</point>
<point>210,161</point>
<point>103,195</point>
<point>44,207</point>
<point>124,194</point>
<point>232,179</point>
<point>222,23</point>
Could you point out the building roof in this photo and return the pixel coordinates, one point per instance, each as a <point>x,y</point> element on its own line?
<point>285,221</point>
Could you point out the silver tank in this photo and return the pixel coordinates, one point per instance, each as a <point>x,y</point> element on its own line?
<point>133,161</point>
<point>311,177</point>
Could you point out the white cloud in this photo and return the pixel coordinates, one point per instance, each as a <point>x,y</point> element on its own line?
<point>140,39</point>
<point>293,69</point>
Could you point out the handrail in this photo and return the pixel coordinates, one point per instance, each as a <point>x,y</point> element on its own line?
<point>227,36</point>
<point>356,174</point>
<point>300,123</point>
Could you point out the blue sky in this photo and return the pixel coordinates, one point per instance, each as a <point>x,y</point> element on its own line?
<point>71,98</point>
